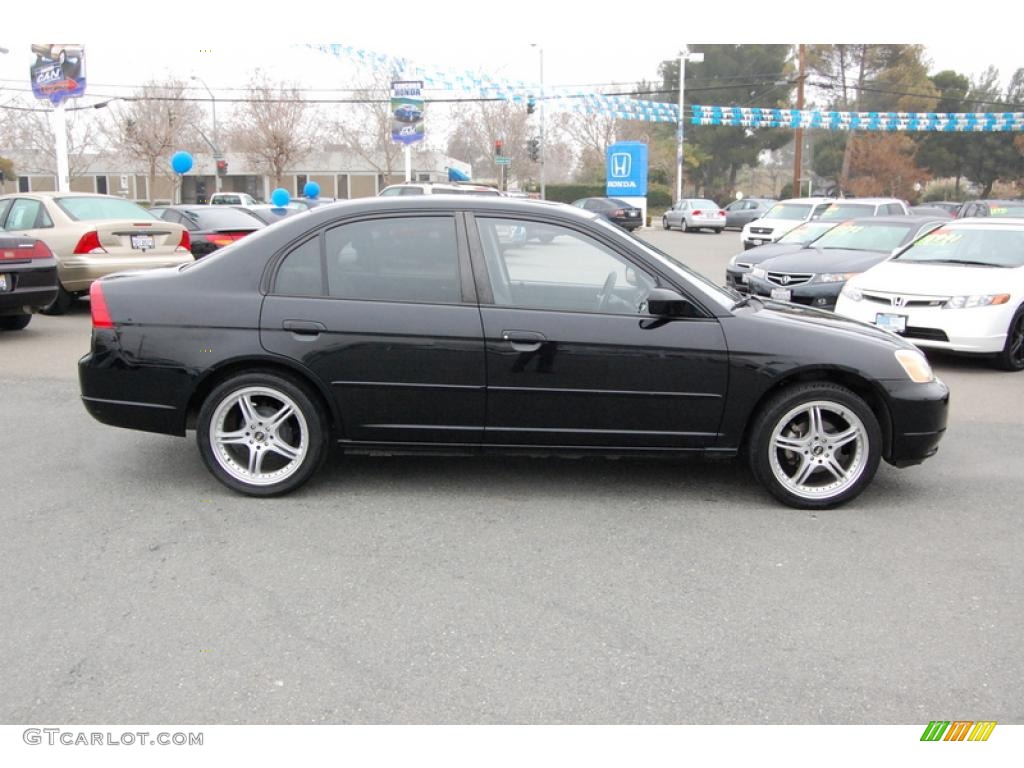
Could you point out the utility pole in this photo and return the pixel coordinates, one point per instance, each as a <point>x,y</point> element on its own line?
<point>542,170</point>
<point>696,58</point>
<point>798,137</point>
<point>216,138</point>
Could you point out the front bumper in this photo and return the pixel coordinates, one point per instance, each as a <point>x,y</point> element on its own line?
<point>918,414</point>
<point>734,278</point>
<point>979,330</point>
<point>817,295</point>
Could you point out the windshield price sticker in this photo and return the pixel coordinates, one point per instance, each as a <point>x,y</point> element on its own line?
<point>941,237</point>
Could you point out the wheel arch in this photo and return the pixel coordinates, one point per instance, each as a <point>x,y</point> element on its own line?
<point>869,391</point>
<point>281,366</point>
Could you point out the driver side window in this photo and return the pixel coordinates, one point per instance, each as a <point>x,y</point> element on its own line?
<point>542,266</point>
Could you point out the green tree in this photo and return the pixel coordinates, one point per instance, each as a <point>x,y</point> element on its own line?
<point>736,75</point>
<point>945,154</point>
<point>990,157</point>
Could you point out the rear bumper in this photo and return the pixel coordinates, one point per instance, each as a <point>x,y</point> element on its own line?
<point>34,287</point>
<point>78,272</point>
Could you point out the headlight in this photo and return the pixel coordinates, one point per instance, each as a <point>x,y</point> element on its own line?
<point>835,277</point>
<point>916,365</point>
<point>978,300</point>
<point>759,272</point>
<point>852,292</point>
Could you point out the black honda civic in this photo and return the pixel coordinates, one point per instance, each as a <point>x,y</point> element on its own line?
<point>430,323</point>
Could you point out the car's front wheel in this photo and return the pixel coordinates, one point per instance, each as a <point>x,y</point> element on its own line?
<point>1012,356</point>
<point>815,446</point>
<point>262,434</point>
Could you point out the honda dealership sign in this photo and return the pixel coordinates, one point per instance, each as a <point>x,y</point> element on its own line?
<point>626,174</point>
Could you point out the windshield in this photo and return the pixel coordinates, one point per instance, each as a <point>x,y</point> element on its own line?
<point>707,288</point>
<point>848,211</point>
<point>981,247</point>
<point>806,233</point>
<point>1006,209</point>
<point>861,236</point>
<point>101,208</point>
<point>793,211</point>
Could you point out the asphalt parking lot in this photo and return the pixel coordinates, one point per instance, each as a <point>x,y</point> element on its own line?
<point>137,589</point>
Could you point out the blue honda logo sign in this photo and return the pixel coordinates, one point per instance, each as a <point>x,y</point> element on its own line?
<point>626,169</point>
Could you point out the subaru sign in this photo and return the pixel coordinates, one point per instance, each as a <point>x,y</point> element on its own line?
<point>626,169</point>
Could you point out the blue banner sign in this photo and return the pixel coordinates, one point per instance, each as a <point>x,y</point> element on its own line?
<point>626,169</point>
<point>58,72</point>
<point>407,125</point>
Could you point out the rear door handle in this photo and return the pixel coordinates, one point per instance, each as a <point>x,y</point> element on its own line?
<point>524,341</point>
<point>304,327</point>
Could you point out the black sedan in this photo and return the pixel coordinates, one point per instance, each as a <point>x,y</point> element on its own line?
<point>210,226</point>
<point>28,279</point>
<point>409,324</point>
<point>739,266</point>
<point>616,211</point>
<point>271,214</point>
<point>815,275</point>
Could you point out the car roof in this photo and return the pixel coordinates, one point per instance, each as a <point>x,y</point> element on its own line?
<point>986,222</point>
<point>61,194</point>
<point>874,221</point>
<point>867,200</point>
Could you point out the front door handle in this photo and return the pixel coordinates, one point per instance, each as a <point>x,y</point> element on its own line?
<point>524,341</point>
<point>304,327</point>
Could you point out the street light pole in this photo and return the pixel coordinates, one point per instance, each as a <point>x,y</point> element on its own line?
<point>696,58</point>
<point>216,138</point>
<point>540,50</point>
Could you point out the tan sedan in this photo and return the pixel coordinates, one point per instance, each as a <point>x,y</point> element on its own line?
<point>93,236</point>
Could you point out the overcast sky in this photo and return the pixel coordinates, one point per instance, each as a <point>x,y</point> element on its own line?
<point>595,42</point>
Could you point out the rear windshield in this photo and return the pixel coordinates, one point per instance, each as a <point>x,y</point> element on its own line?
<point>847,211</point>
<point>976,247</point>
<point>789,211</point>
<point>101,208</point>
<point>703,204</point>
<point>806,232</point>
<point>216,217</point>
<point>858,236</point>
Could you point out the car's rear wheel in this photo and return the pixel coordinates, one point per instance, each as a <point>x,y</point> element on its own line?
<point>60,304</point>
<point>14,322</point>
<point>718,231</point>
<point>262,434</point>
<point>1012,356</point>
<point>815,446</point>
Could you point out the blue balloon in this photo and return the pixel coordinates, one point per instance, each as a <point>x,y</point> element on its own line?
<point>311,190</point>
<point>181,162</point>
<point>280,197</point>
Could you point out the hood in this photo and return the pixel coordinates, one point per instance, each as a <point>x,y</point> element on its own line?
<point>792,317</point>
<point>819,260</point>
<point>917,278</point>
<point>762,252</point>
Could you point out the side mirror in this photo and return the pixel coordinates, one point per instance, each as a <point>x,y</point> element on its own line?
<point>662,302</point>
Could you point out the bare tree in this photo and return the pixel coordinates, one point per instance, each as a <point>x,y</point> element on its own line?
<point>365,128</point>
<point>275,126</point>
<point>30,129</point>
<point>476,128</point>
<point>153,124</point>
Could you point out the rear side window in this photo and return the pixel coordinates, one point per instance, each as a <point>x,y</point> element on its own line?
<point>27,214</point>
<point>301,272</point>
<point>413,259</point>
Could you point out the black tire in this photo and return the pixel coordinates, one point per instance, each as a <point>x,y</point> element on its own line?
<point>14,322</point>
<point>719,230</point>
<point>812,452</point>
<point>664,222</point>
<point>1012,356</point>
<point>61,303</point>
<point>303,432</point>
<point>682,226</point>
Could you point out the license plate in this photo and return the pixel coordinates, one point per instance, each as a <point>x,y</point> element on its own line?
<point>758,241</point>
<point>142,242</point>
<point>632,213</point>
<point>744,277</point>
<point>894,323</point>
<point>782,294</point>
<point>6,284</point>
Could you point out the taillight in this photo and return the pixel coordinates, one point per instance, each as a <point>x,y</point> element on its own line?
<point>185,244</point>
<point>698,213</point>
<point>226,238</point>
<point>90,243</point>
<point>98,307</point>
<point>37,249</point>
<point>618,212</point>
<point>721,213</point>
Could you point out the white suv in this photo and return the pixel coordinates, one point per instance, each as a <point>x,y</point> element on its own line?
<point>232,198</point>
<point>438,188</point>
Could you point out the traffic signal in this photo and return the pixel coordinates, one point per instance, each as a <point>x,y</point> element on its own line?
<point>533,149</point>
<point>497,147</point>
<point>531,105</point>
<point>222,167</point>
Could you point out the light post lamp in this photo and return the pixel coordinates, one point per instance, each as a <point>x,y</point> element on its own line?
<point>216,138</point>
<point>684,57</point>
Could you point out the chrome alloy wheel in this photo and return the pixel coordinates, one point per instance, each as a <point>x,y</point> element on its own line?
<point>259,436</point>
<point>818,449</point>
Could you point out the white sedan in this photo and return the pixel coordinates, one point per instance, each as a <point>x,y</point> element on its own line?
<point>960,288</point>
